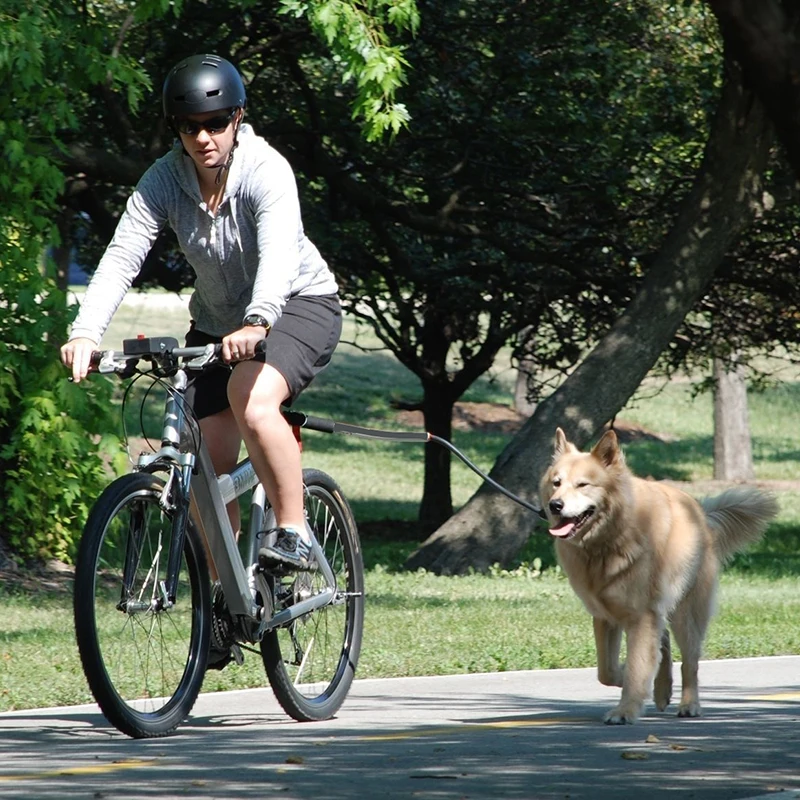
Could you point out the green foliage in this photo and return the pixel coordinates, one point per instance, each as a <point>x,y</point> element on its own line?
<point>50,469</point>
<point>356,34</point>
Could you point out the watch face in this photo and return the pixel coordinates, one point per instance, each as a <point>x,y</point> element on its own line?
<point>255,319</point>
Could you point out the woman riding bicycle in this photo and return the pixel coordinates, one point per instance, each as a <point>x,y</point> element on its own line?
<point>232,201</point>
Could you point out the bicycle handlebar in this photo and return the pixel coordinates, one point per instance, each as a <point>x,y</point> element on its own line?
<point>162,350</point>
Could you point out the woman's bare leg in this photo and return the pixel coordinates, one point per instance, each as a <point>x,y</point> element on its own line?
<point>256,392</point>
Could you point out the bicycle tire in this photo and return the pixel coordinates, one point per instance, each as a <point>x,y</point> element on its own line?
<point>311,662</point>
<point>144,664</point>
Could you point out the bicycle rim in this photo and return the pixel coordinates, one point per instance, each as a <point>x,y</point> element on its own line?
<point>311,662</point>
<point>144,662</point>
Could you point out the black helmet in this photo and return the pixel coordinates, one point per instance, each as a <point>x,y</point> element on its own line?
<point>202,83</point>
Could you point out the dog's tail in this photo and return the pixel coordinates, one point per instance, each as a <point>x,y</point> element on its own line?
<point>738,517</point>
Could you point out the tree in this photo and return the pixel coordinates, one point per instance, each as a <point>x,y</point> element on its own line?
<point>723,199</point>
<point>49,470</point>
<point>504,212</point>
<point>733,451</point>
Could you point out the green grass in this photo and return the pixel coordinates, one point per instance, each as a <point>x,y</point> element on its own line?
<point>421,624</point>
<point>416,624</point>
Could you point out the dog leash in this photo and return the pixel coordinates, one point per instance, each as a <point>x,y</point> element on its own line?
<point>300,420</point>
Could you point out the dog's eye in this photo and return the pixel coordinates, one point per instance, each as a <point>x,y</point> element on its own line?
<point>556,482</point>
<point>582,484</point>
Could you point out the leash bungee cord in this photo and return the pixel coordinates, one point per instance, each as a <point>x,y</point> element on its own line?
<point>301,420</point>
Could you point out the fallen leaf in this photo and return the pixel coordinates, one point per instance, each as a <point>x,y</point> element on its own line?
<point>651,739</point>
<point>294,760</point>
<point>630,755</point>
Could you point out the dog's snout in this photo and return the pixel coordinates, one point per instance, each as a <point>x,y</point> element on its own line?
<point>556,506</point>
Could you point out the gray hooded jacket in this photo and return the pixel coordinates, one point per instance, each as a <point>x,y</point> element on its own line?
<point>249,258</point>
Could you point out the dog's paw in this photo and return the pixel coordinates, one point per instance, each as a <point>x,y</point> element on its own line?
<point>662,691</point>
<point>662,702</point>
<point>622,715</point>
<point>611,677</point>
<point>689,709</point>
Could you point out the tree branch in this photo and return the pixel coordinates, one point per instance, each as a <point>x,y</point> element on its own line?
<point>722,202</point>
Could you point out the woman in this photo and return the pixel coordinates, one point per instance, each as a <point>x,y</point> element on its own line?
<point>232,201</point>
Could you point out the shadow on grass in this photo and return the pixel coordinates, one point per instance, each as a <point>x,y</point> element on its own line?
<point>669,460</point>
<point>777,555</point>
<point>388,543</point>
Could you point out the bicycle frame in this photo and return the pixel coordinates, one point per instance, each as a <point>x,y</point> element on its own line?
<point>198,491</point>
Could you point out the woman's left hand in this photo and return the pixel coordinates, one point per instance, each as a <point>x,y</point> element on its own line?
<point>241,345</point>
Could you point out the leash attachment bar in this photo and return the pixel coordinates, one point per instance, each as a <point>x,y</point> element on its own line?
<point>297,418</point>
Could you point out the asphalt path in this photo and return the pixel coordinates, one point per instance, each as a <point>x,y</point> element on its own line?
<point>531,734</point>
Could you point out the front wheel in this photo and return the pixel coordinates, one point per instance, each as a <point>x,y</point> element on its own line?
<point>311,662</point>
<point>144,660</point>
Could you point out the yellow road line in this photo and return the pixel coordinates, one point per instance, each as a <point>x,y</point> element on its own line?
<point>96,769</point>
<point>777,697</point>
<point>476,726</point>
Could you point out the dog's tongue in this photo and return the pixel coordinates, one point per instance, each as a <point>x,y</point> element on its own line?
<point>562,530</point>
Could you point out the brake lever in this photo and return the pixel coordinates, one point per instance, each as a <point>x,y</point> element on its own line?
<point>210,354</point>
<point>106,363</point>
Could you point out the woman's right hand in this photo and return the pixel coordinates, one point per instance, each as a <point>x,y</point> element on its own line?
<point>77,354</point>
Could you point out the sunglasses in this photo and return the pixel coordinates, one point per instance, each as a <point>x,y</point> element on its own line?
<point>214,125</point>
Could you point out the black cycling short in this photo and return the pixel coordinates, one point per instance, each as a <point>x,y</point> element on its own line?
<point>300,344</point>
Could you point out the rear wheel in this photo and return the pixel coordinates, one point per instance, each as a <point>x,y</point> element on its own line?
<point>311,661</point>
<point>144,661</point>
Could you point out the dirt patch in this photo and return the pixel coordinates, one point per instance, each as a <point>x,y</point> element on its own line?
<point>484,417</point>
<point>496,418</point>
<point>54,577</point>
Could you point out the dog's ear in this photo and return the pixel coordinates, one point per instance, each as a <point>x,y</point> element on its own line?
<point>561,445</point>
<point>607,451</point>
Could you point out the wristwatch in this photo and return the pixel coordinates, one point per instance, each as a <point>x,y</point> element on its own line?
<point>257,320</point>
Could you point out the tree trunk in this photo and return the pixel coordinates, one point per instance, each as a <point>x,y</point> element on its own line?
<point>526,366</point>
<point>764,37</point>
<point>437,499</point>
<point>733,452</point>
<point>522,405</point>
<point>726,192</point>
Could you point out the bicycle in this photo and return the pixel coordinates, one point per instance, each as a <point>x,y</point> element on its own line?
<point>146,610</point>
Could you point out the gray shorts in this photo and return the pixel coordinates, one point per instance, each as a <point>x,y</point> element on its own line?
<point>299,346</point>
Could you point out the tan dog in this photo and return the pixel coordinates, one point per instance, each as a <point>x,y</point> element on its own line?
<point>642,555</point>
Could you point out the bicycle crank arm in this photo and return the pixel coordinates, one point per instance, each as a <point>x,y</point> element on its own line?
<point>324,598</point>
